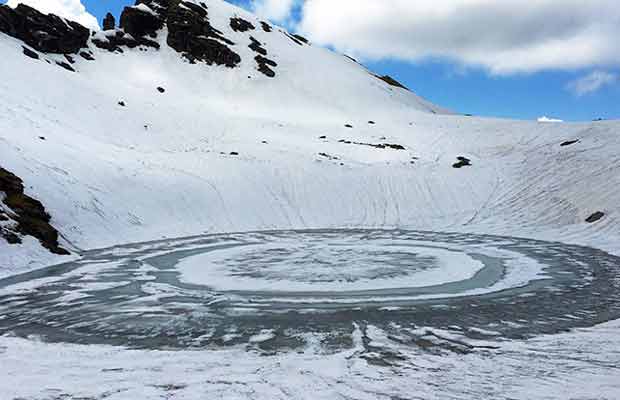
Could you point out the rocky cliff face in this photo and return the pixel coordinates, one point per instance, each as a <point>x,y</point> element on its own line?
<point>189,32</point>
<point>45,33</point>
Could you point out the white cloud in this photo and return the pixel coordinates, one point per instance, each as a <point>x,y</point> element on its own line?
<point>547,119</point>
<point>505,37</point>
<point>69,9</point>
<point>592,82</point>
<point>275,10</point>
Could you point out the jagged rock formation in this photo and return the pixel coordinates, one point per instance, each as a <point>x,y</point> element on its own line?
<point>140,21</point>
<point>28,214</point>
<point>45,33</point>
<point>191,34</point>
<point>109,22</point>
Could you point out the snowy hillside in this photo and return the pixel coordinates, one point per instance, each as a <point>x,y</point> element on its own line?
<point>195,119</point>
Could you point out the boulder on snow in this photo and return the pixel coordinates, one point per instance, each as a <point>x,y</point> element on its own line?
<point>462,162</point>
<point>569,142</point>
<point>597,216</point>
<point>45,33</point>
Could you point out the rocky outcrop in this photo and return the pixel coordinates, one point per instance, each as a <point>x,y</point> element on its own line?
<point>241,25</point>
<point>140,21</point>
<point>191,34</point>
<point>265,64</point>
<point>266,27</point>
<point>45,33</point>
<point>29,214</point>
<point>257,47</point>
<point>109,22</point>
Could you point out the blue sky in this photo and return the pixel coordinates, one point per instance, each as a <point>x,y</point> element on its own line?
<point>475,88</point>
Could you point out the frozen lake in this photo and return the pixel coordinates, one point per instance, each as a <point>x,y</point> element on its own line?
<point>274,290</point>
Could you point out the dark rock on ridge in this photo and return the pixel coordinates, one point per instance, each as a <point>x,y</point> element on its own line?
<point>392,82</point>
<point>29,213</point>
<point>44,33</point>
<point>109,22</point>
<point>300,38</point>
<point>139,23</point>
<point>293,38</point>
<point>266,27</point>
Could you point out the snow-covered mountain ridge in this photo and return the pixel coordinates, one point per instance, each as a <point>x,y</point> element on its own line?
<point>197,117</point>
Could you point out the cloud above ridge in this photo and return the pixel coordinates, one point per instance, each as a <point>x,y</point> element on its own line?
<point>503,37</point>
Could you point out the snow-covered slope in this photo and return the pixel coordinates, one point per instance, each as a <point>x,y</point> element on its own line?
<point>147,140</point>
<point>231,149</point>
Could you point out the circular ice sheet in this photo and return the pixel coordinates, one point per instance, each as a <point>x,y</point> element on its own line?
<point>273,289</point>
